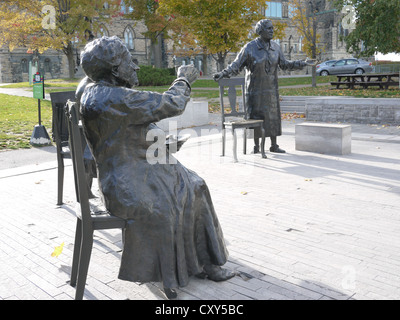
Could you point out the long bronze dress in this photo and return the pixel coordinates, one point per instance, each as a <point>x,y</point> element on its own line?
<point>261,61</point>
<point>173,230</point>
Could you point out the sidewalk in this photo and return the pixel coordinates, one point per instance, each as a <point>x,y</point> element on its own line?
<point>19,92</point>
<point>298,225</point>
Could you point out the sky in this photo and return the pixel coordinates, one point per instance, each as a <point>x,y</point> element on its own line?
<point>390,57</point>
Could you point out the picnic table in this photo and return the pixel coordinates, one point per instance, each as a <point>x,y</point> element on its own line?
<point>351,81</point>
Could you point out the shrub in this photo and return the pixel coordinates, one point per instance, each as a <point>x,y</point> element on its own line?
<point>149,76</point>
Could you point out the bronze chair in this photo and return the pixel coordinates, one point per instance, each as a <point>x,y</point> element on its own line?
<point>90,217</point>
<point>60,135</point>
<point>239,117</point>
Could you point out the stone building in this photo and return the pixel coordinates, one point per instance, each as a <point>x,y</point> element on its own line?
<point>14,66</point>
<point>329,28</point>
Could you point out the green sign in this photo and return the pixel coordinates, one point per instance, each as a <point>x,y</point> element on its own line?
<point>38,87</point>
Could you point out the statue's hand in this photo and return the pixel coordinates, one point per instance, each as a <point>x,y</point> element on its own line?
<point>218,76</point>
<point>189,72</point>
<point>311,62</point>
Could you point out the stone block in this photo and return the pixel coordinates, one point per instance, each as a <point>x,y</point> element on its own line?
<point>397,116</point>
<point>323,138</point>
<point>195,114</point>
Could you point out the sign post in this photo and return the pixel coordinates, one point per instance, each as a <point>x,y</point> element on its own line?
<point>39,137</point>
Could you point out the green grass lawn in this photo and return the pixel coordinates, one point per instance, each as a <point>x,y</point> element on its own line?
<point>207,88</point>
<point>19,115</point>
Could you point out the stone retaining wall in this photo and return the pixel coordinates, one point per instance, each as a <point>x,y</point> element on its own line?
<point>353,110</point>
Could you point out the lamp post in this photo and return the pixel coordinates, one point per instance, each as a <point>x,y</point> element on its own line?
<point>314,42</point>
<point>39,137</point>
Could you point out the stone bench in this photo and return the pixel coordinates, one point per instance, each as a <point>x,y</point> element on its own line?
<point>323,138</point>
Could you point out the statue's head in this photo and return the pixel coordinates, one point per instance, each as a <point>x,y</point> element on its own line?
<point>265,29</point>
<point>108,59</point>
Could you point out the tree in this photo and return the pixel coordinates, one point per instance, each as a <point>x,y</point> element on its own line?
<point>156,24</point>
<point>161,27</point>
<point>376,26</point>
<point>217,26</point>
<point>39,25</point>
<point>304,17</point>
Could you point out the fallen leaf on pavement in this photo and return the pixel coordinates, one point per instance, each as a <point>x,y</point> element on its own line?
<point>57,250</point>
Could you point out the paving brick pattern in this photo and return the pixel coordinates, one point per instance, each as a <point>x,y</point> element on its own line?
<point>298,225</point>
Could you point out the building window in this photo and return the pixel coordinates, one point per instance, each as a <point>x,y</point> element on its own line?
<point>274,9</point>
<point>128,36</point>
<point>24,66</point>
<point>301,44</point>
<point>124,8</point>
<point>285,10</point>
<point>47,65</point>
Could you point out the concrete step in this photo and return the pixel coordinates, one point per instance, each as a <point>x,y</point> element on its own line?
<point>292,103</point>
<point>295,98</point>
<point>297,109</point>
<point>292,100</point>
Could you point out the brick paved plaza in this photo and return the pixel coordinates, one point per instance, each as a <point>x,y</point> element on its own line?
<point>299,225</point>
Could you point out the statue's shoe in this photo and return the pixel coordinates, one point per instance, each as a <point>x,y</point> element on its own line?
<point>170,293</point>
<point>276,149</point>
<point>216,273</point>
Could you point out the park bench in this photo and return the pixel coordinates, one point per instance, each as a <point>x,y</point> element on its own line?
<point>382,80</point>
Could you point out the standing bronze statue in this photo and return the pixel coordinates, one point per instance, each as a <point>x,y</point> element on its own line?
<point>173,231</point>
<point>261,59</point>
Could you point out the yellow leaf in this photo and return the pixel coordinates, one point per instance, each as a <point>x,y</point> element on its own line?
<point>57,250</point>
<point>244,192</point>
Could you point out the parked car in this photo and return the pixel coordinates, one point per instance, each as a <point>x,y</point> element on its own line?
<point>346,66</point>
<point>323,65</point>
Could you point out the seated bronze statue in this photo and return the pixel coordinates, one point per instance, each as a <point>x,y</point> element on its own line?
<point>173,231</point>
